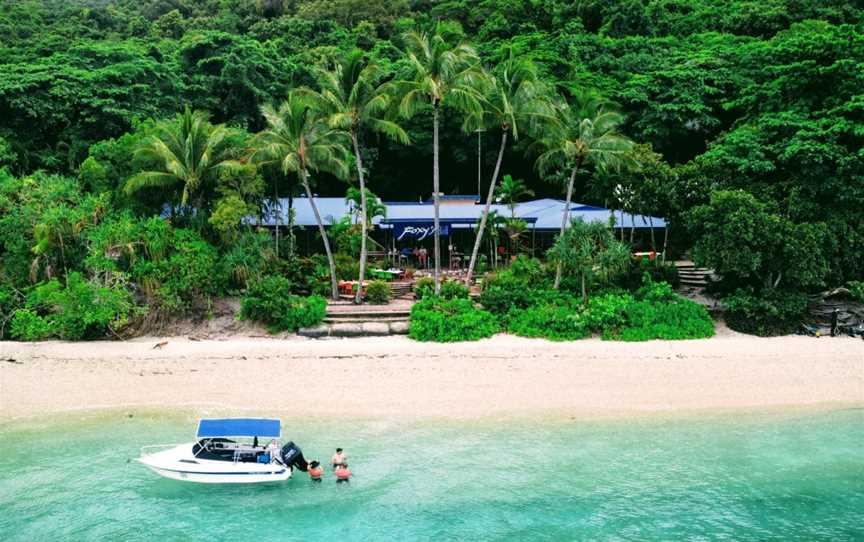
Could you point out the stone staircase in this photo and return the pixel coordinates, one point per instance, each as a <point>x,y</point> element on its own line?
<point>345,319</point>
<point>693,277</point>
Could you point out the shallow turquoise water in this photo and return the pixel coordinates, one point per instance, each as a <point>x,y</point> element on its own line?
<point>742,477</point>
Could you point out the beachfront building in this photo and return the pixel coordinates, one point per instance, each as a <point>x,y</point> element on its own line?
<point>408,225</point>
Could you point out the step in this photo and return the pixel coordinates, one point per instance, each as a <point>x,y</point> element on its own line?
<point>368,314</point>
<point>364,329</point>
<point>356,319</point>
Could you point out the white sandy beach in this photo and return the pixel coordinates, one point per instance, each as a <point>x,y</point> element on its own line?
<point>399,377</point>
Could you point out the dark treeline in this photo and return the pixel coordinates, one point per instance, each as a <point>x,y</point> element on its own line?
<point>748,115</point>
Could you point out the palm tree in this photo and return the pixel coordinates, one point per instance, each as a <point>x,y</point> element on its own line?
<point>188,152</point>
<point>353,97</point>
<point>443,73</point>
<point>299,139</point>
<point>517,101</point>
<point>588,134</point>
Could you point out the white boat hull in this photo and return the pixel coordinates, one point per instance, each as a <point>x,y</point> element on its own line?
<point>179,463</point>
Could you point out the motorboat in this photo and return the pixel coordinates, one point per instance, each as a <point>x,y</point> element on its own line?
<point>228,451</point>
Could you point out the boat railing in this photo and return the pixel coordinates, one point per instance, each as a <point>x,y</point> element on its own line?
<point>154,447</point>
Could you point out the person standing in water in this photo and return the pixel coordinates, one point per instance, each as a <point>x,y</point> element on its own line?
<point>315,471</point>
<point>343,473</point>
<point>339,458</point>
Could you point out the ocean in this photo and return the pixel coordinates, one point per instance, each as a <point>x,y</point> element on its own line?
<point>757,476</point>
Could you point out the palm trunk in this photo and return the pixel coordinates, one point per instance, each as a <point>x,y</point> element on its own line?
<point>278,208</point>
<point>565,217</point>
<point>358,298</point>
<point>334,286</point>
<point>435,190</point>
<point>488,206</point>
<point>665,240</point>
<point>653,241</point>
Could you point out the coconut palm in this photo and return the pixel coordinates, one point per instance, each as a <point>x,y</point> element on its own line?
<point>511,191</point>
<point>187,152</point>
<point>443,72</point>
<point>299,140</point>
<point>588,135</point>
<point>518,102</point>
<point>353,98</point>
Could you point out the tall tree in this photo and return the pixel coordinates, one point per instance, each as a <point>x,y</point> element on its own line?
<point>187,152</point>
<point>588,135</point>
<point>443,72</point>
<point>354,99</point>
<point>298,139</point>
<point>517,102</point>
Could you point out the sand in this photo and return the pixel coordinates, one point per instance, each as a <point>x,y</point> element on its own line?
<point>395,376</point>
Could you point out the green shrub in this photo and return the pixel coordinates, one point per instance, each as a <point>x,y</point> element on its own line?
<point>26,325</point>
<point>766,313</point>
<point>631,279</point>
<point>81,310</point>
<point>517,287</point>
<point>452,289</point>
<point>857,289</point>
<point>378,292</point>
<point>670,320</point>
<point>607,311</point>
<point>564,320</point>
<point>424,287</point>
<point>442,320</point>
<point>270,301</point>
<point>10,301</point>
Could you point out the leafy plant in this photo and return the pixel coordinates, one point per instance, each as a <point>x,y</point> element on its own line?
<point>378,292</point>
<point>442,320</point>
<point>424,287</point>
<point>765,312</point>
<point>270,301</point>
<point>563,319</point>
<point>452,289</point>
<point>80,310</point>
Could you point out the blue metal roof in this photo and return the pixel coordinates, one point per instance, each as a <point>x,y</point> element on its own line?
<point>238,427</point>
<point>541,214</point>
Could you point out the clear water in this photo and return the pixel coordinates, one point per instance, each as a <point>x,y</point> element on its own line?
<point>744,477</point>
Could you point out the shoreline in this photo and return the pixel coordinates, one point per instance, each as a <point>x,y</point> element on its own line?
<point>397,378</point>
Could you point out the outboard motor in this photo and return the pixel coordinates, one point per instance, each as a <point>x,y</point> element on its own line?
<point>292,456</point>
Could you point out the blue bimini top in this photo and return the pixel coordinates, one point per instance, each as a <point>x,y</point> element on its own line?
<point>239,427</point>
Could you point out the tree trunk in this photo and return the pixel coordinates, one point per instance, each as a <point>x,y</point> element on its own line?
<point>435,190</point>
<point>358,297</point>
<point>651,225</point>
<point>292,239</point>
<point>565,217</point>
<point>584,290</point>
<point>665,240</point>
<point>484,217</point>
<point>334,286</point>
<point>278,208</point>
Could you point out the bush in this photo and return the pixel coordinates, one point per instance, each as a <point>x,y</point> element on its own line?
<point>607,311</point>
<point>378,292</point>
<point>26,325</point>
<point>442,320</point>
<point>81,310</point>
<point>766,313</point>
<point>563,320</point>
<point>452,289</point>
<point>856,287</point>
<point>631,279</point>
<point>670,320</point>
<point>424,287</point>
<point>270,301</point>
<point>517,287</point>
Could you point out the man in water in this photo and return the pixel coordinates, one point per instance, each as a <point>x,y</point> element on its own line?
<point>339,458</point>
<point>343,473</point>
<point>315,471</point>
